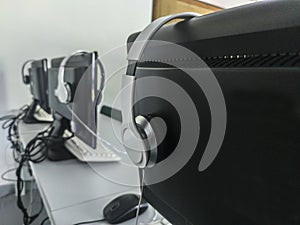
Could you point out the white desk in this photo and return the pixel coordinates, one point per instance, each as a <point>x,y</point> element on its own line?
<point>75,192</point>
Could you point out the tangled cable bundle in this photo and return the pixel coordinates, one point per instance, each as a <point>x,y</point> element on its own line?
<point>35,152</point>
<point>11,124</point>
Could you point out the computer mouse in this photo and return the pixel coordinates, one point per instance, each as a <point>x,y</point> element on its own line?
<point>123,208</point>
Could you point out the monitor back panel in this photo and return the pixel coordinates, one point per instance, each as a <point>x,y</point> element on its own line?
<point>39,83</point>
<point>254,180</point>
<point>84,92</point>
<point>82,108</point>
<point>255,176</point>
<point>72,76</point>
<point>84,122</point>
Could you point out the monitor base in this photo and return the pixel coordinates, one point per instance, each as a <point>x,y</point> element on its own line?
<point>57,150</point>
<point>29,115</point>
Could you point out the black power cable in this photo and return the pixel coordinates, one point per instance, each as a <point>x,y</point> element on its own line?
<point>11,123</point>
<point>44,220</point>
<point>35,152</point>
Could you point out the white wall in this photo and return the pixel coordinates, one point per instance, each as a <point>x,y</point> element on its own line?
<point>229,3</point>
<point>50,28</point>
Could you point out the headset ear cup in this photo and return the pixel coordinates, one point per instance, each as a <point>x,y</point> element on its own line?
<point>63,93</point>
<point>26,79</point>
<point>134,147</point>
<point>148,136</point>
<point>68,92</point>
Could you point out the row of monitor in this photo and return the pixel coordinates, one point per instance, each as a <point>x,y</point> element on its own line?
<point>254,54</point>
<point>43,80</point>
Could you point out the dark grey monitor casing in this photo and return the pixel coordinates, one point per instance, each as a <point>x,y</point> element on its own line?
<point>255,179</point>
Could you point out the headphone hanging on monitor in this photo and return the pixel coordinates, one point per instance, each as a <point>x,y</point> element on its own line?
<point>63,89</point>
<point>26,77</point>
<point>137,131</point>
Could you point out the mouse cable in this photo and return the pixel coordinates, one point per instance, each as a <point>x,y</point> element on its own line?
<point>139,204</point>
<point>86,222</point>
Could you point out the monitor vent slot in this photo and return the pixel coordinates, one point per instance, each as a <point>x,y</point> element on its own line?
<point>234,61</point>
<point>273,60</point>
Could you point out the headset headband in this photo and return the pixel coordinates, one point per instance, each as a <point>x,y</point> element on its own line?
<point>128,84</point>
<point>136,51</point>
<point>61,71</point>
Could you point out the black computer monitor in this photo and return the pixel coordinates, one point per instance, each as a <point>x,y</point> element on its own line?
<point>254,53</point>
<point>39,83</point>
<point>81,110</point>
<point>38,80</point>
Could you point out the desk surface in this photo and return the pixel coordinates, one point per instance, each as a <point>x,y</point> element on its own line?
<point>74,192</point>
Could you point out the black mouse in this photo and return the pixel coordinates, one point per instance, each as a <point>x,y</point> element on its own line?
<point>123,208</point>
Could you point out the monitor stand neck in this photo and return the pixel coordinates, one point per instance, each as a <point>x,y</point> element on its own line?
<point>29,115</point>
<point>57,150</point>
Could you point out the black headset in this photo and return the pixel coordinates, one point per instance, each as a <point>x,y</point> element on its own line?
<point>26,77</point>
<point>137,134</point>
